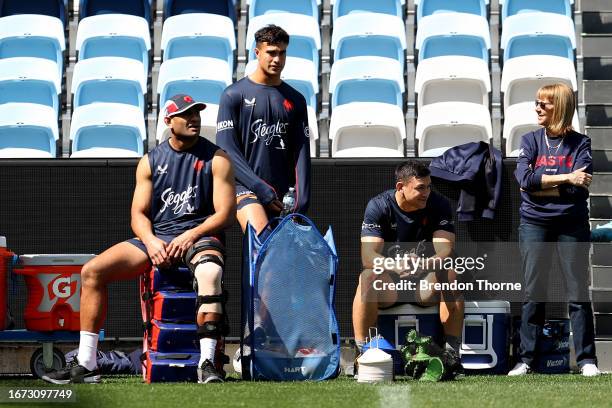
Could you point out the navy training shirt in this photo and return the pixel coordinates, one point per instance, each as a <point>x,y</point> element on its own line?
<point>537,158</point>
<point>264,129</point>
<point>182,187</point>
<point>385,219</point>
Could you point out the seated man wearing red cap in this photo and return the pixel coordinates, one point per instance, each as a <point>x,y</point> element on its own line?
<point>183,200</point>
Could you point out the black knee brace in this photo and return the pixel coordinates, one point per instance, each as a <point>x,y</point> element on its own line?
<point>218,328</point>
<point>203,245</point>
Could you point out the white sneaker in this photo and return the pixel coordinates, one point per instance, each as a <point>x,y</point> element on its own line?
<point>590,370</point>
<point>519,369</point>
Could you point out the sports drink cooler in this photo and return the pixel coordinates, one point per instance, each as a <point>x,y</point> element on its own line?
<point>54,290</point>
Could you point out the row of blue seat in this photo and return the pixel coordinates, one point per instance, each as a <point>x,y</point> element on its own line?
<point>142,8</point>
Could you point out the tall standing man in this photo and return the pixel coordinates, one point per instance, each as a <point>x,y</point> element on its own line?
<point>183,200</point>
<point>263,126</point>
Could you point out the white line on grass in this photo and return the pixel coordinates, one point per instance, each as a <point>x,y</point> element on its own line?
<point>394,397</point>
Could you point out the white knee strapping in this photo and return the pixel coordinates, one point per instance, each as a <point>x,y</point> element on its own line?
<point>208,276</point>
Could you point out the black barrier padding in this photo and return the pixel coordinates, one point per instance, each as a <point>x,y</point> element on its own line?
<point>83,206</point>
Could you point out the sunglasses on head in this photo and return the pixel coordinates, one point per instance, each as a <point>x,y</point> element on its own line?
<point>541,104</point>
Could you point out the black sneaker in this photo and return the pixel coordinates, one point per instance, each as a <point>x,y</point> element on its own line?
<point>207,373</point>
<point>73,373</point>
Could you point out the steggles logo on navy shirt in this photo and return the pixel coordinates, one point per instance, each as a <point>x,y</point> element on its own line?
<point>267,133</point>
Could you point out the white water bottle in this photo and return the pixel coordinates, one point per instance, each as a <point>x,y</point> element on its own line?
<point>288,202</point>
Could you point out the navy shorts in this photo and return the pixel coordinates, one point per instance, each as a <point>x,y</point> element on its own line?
<point>220,239</point>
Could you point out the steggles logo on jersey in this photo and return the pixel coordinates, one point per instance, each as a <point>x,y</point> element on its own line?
<point>268,133</point>
<point>224,125</point>
<point>178,202</point>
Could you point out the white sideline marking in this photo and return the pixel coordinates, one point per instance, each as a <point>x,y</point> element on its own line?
<point>394,397</point>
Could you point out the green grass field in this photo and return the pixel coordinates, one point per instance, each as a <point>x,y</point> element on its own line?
<point>546,391</point>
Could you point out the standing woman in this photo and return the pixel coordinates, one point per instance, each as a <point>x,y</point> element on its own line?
<point>554,170</point>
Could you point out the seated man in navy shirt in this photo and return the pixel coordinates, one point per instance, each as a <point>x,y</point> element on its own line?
<point>405,221</point>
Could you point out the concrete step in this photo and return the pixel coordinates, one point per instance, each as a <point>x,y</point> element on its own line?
<point>601,276</point>
<point>597,92</point>
<point>599,115</point>
<point>602,253</point>
<point>602,160</point>
<point>601,206</point>
<point>595,5</point>
<point>604,354</point>
<point>602,299</point>
<point>596,45</point>
<point>597,67</point>
<point>603,324</point>
<point>602,183</point>
<point>597,22</point>
<point>601,137</point>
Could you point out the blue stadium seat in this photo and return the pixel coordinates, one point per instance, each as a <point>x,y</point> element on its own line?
<point>523,76</point>
<point>114,35</point>
<point>538,34</point>
<point>304,32</point>
<point>307,7</point>
<point>429,7</point>
<point>30,80</point>
<point>199,35</point>
<point>453,34</point>
<point>30,35</point>
<point>513,7</point>
<point>367,129</point>
<point>109,79</point>
<point>201,77</point>
<point>225,8</point>
<point>372,34</point>
<point>52,8</point>
<point>366,79</point>
<point>108,125</point>
<point>140,8</point>
<point>28,130</point>
<point>443,125</point>
<point>452,78</point>
<point>344,7</point>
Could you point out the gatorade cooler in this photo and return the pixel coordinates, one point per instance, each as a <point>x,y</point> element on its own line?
<point>395,323</point>
<point>6,259</point>
<point>486,337</point>
<point>54,290</point>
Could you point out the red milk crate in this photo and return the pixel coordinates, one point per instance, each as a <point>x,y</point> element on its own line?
<point>6,257</point>
<point>54,290</point>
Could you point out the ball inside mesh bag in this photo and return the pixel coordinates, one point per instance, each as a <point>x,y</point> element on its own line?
<point>236,361</point>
